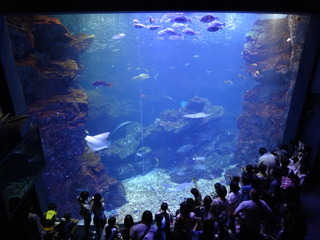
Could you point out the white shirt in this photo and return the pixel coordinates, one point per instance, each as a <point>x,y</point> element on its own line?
<point>269,160</point>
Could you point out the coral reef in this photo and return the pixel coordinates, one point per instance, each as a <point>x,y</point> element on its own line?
<point>174,140</point>
<point>176,122</point>
<point>47,56</point>
<point>271,53</point>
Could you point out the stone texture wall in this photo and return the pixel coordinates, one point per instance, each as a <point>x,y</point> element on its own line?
<point>47,56</point>
<point>272,53</point>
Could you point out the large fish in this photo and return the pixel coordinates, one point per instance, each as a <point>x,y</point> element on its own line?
<point>98,142</point>
<point>101,83</point>
<point>208,18</point>
<point>101,141</point>
<point>189,31</point>
<point>171,32</point>
<point>180,19</point>
<point>185,148</point>
<point>197,115</point>
<point>215,26</point>
<point>139,25</point>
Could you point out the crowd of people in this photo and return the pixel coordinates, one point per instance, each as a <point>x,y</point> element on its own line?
<point>262,202</point>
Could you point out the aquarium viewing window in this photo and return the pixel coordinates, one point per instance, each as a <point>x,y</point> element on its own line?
<point>143,106</point>
<point>20,168</point>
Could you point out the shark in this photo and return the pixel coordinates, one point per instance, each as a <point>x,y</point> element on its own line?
<point>102,140</point>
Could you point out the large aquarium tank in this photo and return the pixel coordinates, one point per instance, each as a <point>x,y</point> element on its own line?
<point>143,106</point>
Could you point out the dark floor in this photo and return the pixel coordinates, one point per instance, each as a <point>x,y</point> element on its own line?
<point>311,208</point>
<point>310,200</point>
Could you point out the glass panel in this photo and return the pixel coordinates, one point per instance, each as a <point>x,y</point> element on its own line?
<point>137,105</point>
<point>21,167</point>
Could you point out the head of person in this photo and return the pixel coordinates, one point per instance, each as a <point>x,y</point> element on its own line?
<point>191,203</point>
<point>249,168</point>
<point>52,206</point>
<point>207,201</point>
<point>147,217</point>
<point>158,218</point>
<point>234,187</point>
<point>97,197</point>
<point>194,192</point>
<point>222,192</point>
<point>245,179</point>
<point>84,195</point>
<point>284,161</point>
<point>262,151</point>
<point>236,178</point>
<point>67,217</point>
<point>112,221</point>
<point>184,208</point>
<point>128,221</point>
<point>164,206</point>
<point>217,185</point>
<point>255,194</point>
<point>262,168</point>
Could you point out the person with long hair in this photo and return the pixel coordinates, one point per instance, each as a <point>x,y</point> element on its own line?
<point>99,219</point>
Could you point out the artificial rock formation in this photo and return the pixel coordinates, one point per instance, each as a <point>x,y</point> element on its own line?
<point>271,53</point>
<point>47,57</point>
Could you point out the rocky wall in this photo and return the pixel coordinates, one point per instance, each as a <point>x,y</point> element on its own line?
<point>47,57</point>
<point>272,54</point>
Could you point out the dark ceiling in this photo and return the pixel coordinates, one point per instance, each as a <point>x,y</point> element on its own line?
<point>67,6</point>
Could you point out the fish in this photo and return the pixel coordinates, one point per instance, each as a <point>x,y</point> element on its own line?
<point>141,77</point>
<point>185,148</point>
<point>167,97</point>
<point>190,32</point>
<point>151,20</point>
<point>229,82</point>
<point>101,83</point>
<point>179,25</point>
<point>154,27</point>
<point>139,25</point>
<point>241,76</point>
<point>196,56</point>
<point>180,173</point>
<point>180,19</point>
<point>170,32</point>
<point>197,115</point>
<point>101,141</point>
<point>116,50</point>
<point>199,158</point>
<point>119,36</point>
<point>215,26</point>
<point>162,32</point>
<point>180,187</point>
<point>208,18</point>
<point>98,142</point>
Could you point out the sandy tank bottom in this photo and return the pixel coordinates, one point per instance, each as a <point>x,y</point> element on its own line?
<point>147,192</point>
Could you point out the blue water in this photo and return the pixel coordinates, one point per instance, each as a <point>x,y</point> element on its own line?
<point>208,65</point>
<point>202,65</point>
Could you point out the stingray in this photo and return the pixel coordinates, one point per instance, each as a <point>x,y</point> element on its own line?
<point>101,141</point>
